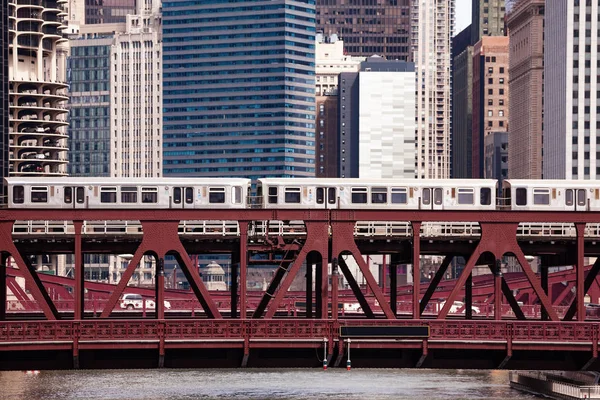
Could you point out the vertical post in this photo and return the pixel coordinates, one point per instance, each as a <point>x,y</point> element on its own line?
<point>324,288</point>
<point>318,289</point>
<point>544,278</point>
<point>498,291</point>
<point>383,273</point>
<point>348,362</point>
<point>233,289</point>
<point>469,297</point>
<point>416,259</point>
<point>3,290</point>
<point>160,289</point>
<point>243,267</point>
<point>579,270</point>
<point>78,274</point>
<point>394,260</point>
<point>309,291</point>
<point>334,289</point>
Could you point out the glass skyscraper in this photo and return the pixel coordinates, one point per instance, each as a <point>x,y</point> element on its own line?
<point>239,88</point>
<point>88,75</point>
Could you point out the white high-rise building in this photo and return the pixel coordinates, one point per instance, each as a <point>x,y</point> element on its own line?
<point>571,143</point>
<point>432,24</point>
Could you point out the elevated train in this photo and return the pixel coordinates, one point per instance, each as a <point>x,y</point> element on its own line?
<point>304,193</point>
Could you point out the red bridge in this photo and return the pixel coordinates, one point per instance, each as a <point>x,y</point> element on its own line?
<point>523,320</point>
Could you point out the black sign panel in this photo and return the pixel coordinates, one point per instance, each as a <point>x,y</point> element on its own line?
<point>385,331</point>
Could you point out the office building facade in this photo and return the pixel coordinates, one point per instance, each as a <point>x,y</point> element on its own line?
<point>108,11</point>
<point>571,148</point>
<point>239,88</point>
<point>487,18</point>
<point>490,95</point>
<point>526,74</point>
<point>368,27</point>
<point>4,103</point>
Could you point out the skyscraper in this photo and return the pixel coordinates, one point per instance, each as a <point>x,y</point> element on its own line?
<point>487,18</point>
<point>108,11</point>
<point>239,88</point>
<point>37,89</point>
<point>4,114</point>
<point>432,24</point>
<point>571,96</point>
<point>368,27</point>
<point>526,30</point>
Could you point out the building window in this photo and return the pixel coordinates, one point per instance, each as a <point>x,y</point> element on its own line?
<point>501,113</point>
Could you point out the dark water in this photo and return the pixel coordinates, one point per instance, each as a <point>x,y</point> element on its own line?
<point>296,384</point>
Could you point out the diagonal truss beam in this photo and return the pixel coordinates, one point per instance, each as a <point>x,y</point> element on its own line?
<point>273,285</point>
<point>589,280</point>
<point>125,277</point>
<point>439,275</point>
<point>356,288</point>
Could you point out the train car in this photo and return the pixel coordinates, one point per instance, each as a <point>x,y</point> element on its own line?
<point>551,195</point>
<point>111,193</point>
<point>407,194</point>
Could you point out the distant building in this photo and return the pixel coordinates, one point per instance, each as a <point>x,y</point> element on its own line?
<point>490,95</point>
<point>331,61</point>
<point>5,41</point>
<point>571,148</point>
<point>377,123</point>
<point>526,31</point>
<point>487,18</point>
<point>368,28</point>
<point>432,25</point>
<point>37,89</point>
<point>462,104</point>
<point>496,156</point>
<point>109,11</point>
<point>239,88</point>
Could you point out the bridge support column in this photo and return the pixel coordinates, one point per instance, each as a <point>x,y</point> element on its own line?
<point>160,289</point>
<point>498,290</point>
<point>469,297</point>
<point>544,279</point>
<point>394,261</point>
<point>3,288</point>
<point>579,270</point>
<point>233,289</point>
<point>318,286</point>
<point>79,287</point>
<point>334,290</point>
<point>416,260</point>
<point>243,270</point>
<point>309,288</point>
<point>76,332</point>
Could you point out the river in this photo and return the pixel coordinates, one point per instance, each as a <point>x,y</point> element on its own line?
<point>293,384</point>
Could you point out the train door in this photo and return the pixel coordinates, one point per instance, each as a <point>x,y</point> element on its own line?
<point>326,197</point>
<point>182,197</point>
<point>75,196</point>
<point>432,198</point>
<point>576,199</point>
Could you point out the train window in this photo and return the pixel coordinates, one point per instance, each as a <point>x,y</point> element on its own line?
<point>189,195</point>
<point>68,195</point>
<point>320,195</point>
<point>177,195</point>
<point>18,194</point>
<point>485,196</point>
<point>237,195</point>
<point>272,194</point>
<point>438,196</point>
<point>581,196</point>
<point>379,195</point>
<point>39,194</point>
<point>108,195</point>
<point>541,196</point>
<point>359,195</point>
<point>521,196</point>
<point>569,197</point>
<point>216,195</point>
<point>129,194</point>
<point>426,198</point>
<point>399,196</point>
<point>331,197</point>
<point>149,195</point>
<point>292,195</point>
<point>79,195</point>
<point>466,196</point>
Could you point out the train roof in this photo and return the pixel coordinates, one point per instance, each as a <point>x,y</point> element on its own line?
<point>124,181</point>
<point>552,183</point>
<point>385,182</point>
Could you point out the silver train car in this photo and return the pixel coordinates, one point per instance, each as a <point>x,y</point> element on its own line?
<point>111,193</point>
<point>400,194</point>
<point>551,195</point>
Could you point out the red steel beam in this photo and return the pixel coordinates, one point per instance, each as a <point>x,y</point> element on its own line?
<point>360,297</point>
<point>79,287</point>
<point>579,269</point>
<point>3,287</point>
<point>125,277</point>
<point>589,280</point>
<point>416,261</point>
